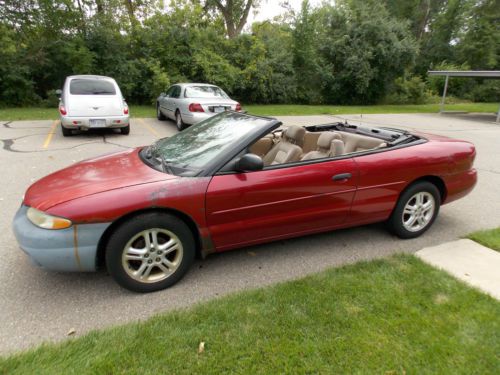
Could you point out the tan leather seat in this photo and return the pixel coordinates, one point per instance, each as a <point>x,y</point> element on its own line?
<point>323,146</point>
<point>262,146</point>
<point>286,150</point>
<point>337,148</point>
<point>356,142</point>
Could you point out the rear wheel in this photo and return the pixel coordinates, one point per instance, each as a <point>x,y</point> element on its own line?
<point>416,210</point>
<point>150,252</point>
<point>125,130</point>
<point>159,115</point>
<point>65,131</point>
<point>178,121</point>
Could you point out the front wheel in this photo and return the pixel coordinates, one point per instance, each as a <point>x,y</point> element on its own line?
<point>416,210</point>
<point>159,114</point>
<point>150,252</point>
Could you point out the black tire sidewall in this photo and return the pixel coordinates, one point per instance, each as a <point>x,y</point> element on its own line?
<point>66,132</point>
<point>181,125</point>
<point>396,222</point>
<point>125,130</point>
<point>131,227</point>
<point>160,116</point>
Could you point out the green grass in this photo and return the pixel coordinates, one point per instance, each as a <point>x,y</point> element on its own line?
<point>489,238</point>
<point>296,110</point>
<point>393,316</point>
<point>12,114</point>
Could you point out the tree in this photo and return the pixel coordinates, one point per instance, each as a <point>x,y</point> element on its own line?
<point>234,12</point>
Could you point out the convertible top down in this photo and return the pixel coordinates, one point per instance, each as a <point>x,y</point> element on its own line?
<point>235,180</point>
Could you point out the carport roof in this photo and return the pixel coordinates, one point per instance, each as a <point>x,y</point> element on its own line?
<point>466,73</point>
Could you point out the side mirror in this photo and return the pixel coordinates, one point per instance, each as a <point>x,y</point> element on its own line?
<point>249,163</point>
<point>58,92</point>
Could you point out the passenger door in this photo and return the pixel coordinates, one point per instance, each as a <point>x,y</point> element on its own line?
<point>246,208</point>
<point>172,101</point>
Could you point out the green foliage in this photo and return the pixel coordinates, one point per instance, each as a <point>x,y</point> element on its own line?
<point>411,90</point>
<point>346,52</point>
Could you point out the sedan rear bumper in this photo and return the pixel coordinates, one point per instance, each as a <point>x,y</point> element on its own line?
<point>78,122</point>
<point>191,118</point>
<point>70,249</point>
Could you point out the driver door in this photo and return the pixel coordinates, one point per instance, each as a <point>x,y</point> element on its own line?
<point>248,208</point>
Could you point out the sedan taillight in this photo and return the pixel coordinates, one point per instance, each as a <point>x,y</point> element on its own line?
<point>196,107</point>
<point>238,107</point>
<point>62,110</point>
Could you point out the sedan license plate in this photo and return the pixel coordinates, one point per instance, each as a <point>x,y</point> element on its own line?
<point>97,123</point>
<point>219,109</point>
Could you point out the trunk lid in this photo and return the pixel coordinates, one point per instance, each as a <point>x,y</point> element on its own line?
<point>94,105</point>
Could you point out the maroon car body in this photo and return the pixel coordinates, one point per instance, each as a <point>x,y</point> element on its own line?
<point>230,210</point>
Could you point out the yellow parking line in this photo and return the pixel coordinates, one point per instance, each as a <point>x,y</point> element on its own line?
<point>51,134</point>
<point>149,127</point>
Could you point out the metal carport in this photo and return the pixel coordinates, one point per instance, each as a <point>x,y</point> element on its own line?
<point>494,74</point>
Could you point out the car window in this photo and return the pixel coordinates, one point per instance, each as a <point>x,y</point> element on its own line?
<point>170,90</point>
<point>204,92</point>
<point>91,87</point>
<point>176,92</point>
<point>197,146</point>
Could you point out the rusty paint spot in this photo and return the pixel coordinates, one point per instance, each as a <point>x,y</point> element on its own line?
<point>75,243</point>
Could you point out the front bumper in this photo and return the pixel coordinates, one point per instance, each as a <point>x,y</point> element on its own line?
<point>73,122</point>
<point>70,249</point>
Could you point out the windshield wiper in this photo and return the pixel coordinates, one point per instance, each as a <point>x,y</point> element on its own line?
<point>165,164</point>
<point>152,152</point>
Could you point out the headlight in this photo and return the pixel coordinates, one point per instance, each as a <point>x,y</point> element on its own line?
<point>43,220</point>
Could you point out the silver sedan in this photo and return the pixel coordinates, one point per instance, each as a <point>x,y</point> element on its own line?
<point>189,103</point>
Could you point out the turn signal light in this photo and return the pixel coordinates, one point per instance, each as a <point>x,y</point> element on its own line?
<point>196,107</point>
<point>62,110</point>
<point>238,107</point>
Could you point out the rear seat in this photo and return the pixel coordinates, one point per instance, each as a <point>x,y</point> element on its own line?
<point>356,142</point>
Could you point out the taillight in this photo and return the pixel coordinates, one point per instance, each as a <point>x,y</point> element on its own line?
<point>238,107</point>
<point>62,110</point>
<point>125,111</point>
<point>195,107</point>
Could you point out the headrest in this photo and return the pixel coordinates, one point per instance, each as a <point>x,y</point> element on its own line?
<point>325,139</point>
<point>295,134</point>
<point>337,148</point>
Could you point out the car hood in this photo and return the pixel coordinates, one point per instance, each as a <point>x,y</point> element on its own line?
<point>92,176</point>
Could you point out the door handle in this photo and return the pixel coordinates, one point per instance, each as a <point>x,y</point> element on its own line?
<point>342,176</point>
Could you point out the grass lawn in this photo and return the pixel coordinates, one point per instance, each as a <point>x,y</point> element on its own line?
<point>12,114</point>
<point>392,316</point>
<point>489,238</point>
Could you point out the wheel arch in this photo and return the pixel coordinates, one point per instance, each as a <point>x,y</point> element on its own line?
<point>435,180</point>
<point>101,246</point>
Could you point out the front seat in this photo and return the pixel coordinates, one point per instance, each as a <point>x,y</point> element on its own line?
<point>323,146</point>
<point>288,149</point>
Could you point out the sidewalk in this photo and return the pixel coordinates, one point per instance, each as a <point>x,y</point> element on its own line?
<point>468,261</point>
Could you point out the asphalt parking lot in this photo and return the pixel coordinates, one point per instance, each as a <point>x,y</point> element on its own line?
<point>37,306</point>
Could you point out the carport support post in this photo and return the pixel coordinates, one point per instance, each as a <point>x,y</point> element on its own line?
<point>444,93</point>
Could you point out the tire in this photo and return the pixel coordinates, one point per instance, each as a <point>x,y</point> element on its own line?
<point>66,132</point>
<point>135,268</point>
<point>410,217</point>
<point>125,130</point>
<point>159,115</point>
<point>178,121</point>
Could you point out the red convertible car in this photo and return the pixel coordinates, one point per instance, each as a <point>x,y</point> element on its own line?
<point>231,181</point>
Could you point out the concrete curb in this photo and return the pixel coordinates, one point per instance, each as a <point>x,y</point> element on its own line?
<point>468,261</point>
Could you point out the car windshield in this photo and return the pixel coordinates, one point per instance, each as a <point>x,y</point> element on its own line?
<point>204,92</point>
<point>197,146</point>
<point>91,87</point>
